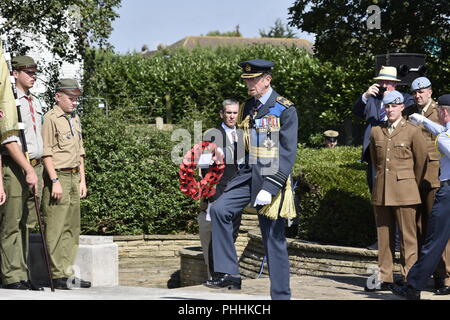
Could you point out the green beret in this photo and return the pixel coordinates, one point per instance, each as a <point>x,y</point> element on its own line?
<point>23,62</point>
<point>67,84</point>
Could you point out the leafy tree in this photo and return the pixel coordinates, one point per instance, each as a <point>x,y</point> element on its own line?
<point>280,30</point>
<point>406,26</point>
<point>87,22</point>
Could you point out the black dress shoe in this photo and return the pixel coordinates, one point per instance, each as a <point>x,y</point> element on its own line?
<point>406,291</point>
<point>381,286</point>
<point>442,291</point>
<point>17,286</point>
<point>32,286</point>
<point>81,283</point>
<point>60,283</point>
<point>65,284</point>
<point>224,281</point>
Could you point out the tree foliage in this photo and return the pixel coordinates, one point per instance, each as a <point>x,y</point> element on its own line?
<point>86,22</point>
<point>406,26</point>
<point>279,30</point>
<point>343,36</point>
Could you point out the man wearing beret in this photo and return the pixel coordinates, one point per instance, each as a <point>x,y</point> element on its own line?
<point>427,107</point>
<point>64,183</point>
<point>371,108</point>
<point>271,146</point>
<point>399,151</point>
<point>438,229</point>
<point>21,178</point>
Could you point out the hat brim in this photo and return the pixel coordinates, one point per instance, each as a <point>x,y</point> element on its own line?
<point>387,78</point>
<point>251,75</point>
<point>71,91</point>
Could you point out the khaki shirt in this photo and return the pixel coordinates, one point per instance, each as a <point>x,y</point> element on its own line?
<point>62,138</point>
<point>32,136</point>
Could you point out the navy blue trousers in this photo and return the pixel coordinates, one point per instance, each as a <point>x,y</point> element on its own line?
<point>223,212</point>
<point>438,233</point>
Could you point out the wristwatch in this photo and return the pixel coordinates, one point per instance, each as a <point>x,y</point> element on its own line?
<point>54,180</point>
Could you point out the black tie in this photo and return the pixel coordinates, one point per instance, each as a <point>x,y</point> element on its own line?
<point>256,107</point>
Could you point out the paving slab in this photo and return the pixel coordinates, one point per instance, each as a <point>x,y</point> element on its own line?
<point>345,287</point>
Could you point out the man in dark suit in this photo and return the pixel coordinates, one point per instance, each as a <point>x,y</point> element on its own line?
<point>270,132</point>
<point>226,138</point>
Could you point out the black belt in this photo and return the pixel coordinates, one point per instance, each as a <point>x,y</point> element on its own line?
<point>445,183</point>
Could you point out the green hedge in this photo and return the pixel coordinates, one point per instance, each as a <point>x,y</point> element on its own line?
<point>335,204</point>
<point>132,183</point>
<point>199,80</point>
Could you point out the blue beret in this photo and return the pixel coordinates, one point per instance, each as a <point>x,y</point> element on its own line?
<point>444,100</point>
<point>393,97</point>
<point>420,83</point>
<point>255,68</point>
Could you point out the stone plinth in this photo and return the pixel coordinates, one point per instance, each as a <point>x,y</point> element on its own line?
<point>97,261</point>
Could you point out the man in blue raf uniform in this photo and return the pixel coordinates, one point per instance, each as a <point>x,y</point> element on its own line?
<point>271,148</point>
<point>438,229</point>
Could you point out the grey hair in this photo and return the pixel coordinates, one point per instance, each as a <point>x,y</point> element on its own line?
<point>228,102</point>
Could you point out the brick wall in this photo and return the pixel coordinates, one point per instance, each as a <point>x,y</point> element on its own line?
<point>154,260</point>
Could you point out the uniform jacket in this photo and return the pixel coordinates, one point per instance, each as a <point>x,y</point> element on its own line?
<point>273,146</point>
<point>371,113</point>
<point>400,162</point>
<point>431,179</point>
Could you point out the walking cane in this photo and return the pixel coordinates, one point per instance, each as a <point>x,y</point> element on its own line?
<point>25,151</point>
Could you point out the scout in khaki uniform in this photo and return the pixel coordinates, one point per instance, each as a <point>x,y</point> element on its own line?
<point>427,107</point>
<point>399,151</point>
<point>64,183</point>
<point>21,181</point>
<point>31,111</point>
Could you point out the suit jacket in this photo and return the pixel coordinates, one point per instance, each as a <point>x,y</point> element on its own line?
<point>220,138</point>
<point>431,179</point>
<point>271,153</point>
<point>371,113</point>
<point>400,162</point>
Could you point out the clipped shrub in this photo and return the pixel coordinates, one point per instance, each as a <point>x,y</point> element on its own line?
<point>335,203</point>
<point>132,182</point>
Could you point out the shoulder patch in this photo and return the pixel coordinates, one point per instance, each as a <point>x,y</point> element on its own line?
<point>285,102</point>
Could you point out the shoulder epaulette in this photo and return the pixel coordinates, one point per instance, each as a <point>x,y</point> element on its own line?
<point>285,102</point>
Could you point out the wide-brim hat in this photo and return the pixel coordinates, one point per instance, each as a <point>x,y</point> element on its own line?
<point>68,85</point>
<point>255,68</point>
<point>387,73</point>
<point>24,63</point>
